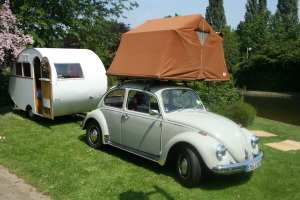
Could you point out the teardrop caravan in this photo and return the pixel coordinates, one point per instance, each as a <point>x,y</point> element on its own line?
<point>52,82</point>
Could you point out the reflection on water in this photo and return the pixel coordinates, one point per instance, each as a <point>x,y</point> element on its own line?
<point>279,109</point>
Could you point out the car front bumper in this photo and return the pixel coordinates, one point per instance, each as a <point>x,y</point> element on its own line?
<point>245,166</point>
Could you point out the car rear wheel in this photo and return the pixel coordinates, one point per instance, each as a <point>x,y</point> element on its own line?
<point>188,167</point>
<point>94,134</point>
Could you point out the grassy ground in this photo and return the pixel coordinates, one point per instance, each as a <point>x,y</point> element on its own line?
<point>54,157</point>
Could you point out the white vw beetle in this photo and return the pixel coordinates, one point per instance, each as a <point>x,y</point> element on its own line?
<point>158,121</point>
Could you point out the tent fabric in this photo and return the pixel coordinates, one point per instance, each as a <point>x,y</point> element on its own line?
<point>171,48</point>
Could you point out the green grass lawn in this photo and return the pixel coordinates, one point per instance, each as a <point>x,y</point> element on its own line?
<point>54,157</point>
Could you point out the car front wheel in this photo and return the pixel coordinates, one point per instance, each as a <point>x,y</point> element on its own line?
<point>188,167</point>
<point>94,134</point>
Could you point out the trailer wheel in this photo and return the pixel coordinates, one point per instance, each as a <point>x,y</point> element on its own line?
<point>94,134</point>
<point>29,113</point>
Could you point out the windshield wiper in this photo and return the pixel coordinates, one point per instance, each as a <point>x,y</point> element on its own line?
<point>183,108</point>
<point>196,106</point>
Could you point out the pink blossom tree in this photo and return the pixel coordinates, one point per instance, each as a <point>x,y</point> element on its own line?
<point>12,40</point>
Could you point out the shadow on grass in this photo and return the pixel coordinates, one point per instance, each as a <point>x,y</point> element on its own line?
<point>132,195</point>
<point>47,123</point>
<point>210,181</point>
<point>5,110</point>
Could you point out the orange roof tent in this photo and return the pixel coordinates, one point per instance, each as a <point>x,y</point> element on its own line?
<point>176,48</point>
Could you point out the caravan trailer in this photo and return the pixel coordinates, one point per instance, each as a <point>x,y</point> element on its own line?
<point>51,82</point>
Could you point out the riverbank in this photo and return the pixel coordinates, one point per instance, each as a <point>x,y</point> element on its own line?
<point>289,95</point>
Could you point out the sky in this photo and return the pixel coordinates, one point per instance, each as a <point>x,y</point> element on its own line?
<point>154,9</point>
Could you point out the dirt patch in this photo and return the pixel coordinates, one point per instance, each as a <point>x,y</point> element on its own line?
<point>14,188</point>
<point>287,145</point>
<point>263,134</point>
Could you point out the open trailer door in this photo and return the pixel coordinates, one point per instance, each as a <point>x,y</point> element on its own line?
<point>46,85</point>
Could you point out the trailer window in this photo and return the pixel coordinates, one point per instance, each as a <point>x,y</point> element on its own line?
<point>26,69</point>
<point>45,68</point>
<point>68,70</point>
<point>19,69</point>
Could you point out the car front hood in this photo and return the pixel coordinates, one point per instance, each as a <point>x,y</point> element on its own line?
<point>222,129</point>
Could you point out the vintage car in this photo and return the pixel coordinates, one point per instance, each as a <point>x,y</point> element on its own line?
<point>159,121</point>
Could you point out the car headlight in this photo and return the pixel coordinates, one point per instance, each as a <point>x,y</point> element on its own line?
<point>254,140</point>
<point>220,151</point>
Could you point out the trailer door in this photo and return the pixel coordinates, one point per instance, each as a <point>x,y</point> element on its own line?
<point>46,85</point>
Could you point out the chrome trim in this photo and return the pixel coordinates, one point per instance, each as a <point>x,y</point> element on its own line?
<point>143,154</point>
<point>183,125</point>
<point>237,167</point>
<point>136,114</point>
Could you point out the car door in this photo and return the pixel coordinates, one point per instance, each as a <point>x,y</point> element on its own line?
<point>140,130</point>
<point>112,111</point>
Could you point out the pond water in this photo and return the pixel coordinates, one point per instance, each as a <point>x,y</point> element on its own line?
<point>280,109</point>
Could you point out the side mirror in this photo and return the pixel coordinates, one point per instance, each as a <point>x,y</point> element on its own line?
<point>154,112</point>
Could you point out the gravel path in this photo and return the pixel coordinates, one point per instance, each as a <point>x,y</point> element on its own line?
<point>14,188</point>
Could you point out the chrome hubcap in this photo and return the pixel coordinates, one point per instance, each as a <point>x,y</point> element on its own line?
<point>94,134</point>
<point>30,113</point>
<point>183,166</point>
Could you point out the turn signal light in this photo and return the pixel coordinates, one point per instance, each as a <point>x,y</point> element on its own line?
<point>203,133</point>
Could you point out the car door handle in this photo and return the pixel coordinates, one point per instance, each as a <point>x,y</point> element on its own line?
<point>125,116</point>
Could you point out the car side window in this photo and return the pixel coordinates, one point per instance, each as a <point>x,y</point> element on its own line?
<point>141,102</point>
<point>115,98</point>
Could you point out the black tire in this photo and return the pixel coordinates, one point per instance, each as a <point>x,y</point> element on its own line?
<point>29,113</point>
<point>188,167</point>
<point>94,135</point>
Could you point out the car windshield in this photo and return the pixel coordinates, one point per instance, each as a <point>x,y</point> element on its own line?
<point>180,99</point>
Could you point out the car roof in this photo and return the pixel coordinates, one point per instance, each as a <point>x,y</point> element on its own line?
<point>152,86</point>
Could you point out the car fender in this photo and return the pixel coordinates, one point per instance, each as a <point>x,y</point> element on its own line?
<point>205,145</point>
<point>99,117</point>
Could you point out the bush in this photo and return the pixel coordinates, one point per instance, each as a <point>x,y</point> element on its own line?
<point>272,67</point>
<point>240,112</point>
<point>4,95</point>
<point>221,92</point>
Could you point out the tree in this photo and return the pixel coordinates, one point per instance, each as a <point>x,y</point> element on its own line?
<point>50,21</point>
<point>262,6</point>
<point>254,31</point>
<point>215,14</point>
<point>251,10</point>
<point>231,47</point>
<point>102,37</point>
<point>287,16</point>
<point>12,40</point>
<point>273,67</point>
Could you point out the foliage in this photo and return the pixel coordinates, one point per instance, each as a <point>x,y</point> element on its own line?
<point>175,15</point>
<point>12,40</point>
<point>255,29</point>
<point>216,92</point>
<point>287,11</point>
<point>101,36</point>
<point>52,156</point>
<point>4,97</point>
<point>240,112</point>
<point>274,67</point>
<point>231,47</point>
<point>223,99</point>
<point>50,21</point>
<point>215,14</point>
